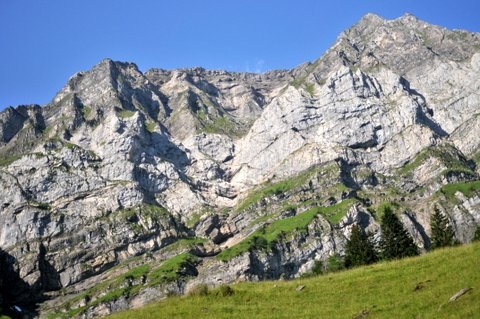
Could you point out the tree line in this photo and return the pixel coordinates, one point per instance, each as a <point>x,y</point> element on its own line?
<point>395,242</point>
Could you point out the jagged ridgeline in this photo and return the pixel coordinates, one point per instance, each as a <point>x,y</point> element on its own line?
<point>130,186</point>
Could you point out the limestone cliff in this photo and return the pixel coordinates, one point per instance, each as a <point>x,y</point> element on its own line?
<point>129,186</point>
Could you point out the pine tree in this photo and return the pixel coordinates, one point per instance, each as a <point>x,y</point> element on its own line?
<point>442,232</point>
<point>395,242</point>
<point>359,249</point>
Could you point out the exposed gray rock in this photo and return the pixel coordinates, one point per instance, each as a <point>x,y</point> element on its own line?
<point>122,164</point>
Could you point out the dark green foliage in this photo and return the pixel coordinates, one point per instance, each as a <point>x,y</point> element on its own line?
<point>395,242</point>
<point>317,268</point>
<point>477,234</point>
<point>442,232</point>
<point>259,243</point>
<point>334,264</point>
<point>360,249</point>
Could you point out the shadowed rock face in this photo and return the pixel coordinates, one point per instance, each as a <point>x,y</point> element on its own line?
<point>17,298</point>
<point>124,164</point>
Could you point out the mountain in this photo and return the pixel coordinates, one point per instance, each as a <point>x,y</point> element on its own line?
<point>130,186</point>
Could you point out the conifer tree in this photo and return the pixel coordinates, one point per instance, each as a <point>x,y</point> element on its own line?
<point>395,242</point>
<point>359,249</point>
<point>442,232</point>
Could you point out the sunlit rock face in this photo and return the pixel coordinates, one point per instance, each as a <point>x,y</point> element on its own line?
<point>123,163</point>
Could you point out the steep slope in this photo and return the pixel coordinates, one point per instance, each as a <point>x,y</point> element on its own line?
<point>415,287</point>
<point>128,185</point>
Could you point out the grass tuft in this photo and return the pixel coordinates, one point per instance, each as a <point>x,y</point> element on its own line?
<point>172,269</point>
<point>200,290</point>
<point>7,160</point>
<point>125,114</point>
<point>151,126</point>
<point>446,154</point>
<point>466,188</point>
<point>86,111</point>
<point>276,189</point>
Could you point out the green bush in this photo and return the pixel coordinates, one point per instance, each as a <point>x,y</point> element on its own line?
<point>317,268</point>
<point>310,88</point>
<point>259,243</point>
<point>334,263</point>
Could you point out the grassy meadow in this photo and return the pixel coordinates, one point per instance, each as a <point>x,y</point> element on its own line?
<point>418,287</point>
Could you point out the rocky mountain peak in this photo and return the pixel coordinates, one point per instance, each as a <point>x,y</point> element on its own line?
<point>405,43</point>
<point>408,18</point>
<point>207,169</point>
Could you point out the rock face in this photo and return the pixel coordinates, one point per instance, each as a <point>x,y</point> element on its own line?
<point>130,186</point>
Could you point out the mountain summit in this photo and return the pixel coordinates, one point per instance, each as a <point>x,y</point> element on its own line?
<point>129,186</point>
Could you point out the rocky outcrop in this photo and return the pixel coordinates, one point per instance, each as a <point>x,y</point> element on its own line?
<point>155,182</point>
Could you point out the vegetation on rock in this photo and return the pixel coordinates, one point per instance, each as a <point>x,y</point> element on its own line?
<point>268,235</point>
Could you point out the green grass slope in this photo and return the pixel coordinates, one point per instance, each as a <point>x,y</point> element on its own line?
<point>417,287</point>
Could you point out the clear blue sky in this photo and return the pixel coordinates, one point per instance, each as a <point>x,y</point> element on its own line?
<point>44,42</point>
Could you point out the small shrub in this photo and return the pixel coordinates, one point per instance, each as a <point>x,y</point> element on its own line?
<point>151,127</point>
<point>477,234</point>
<point>225,291</point>
<point>317,268</point>
<point>86,111</point>
<point>259,243</point>
<point>44,206</point>
<point>334,264</point>
<point>198,290</point>
<point>310,88</point>
<point>297,82</point>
